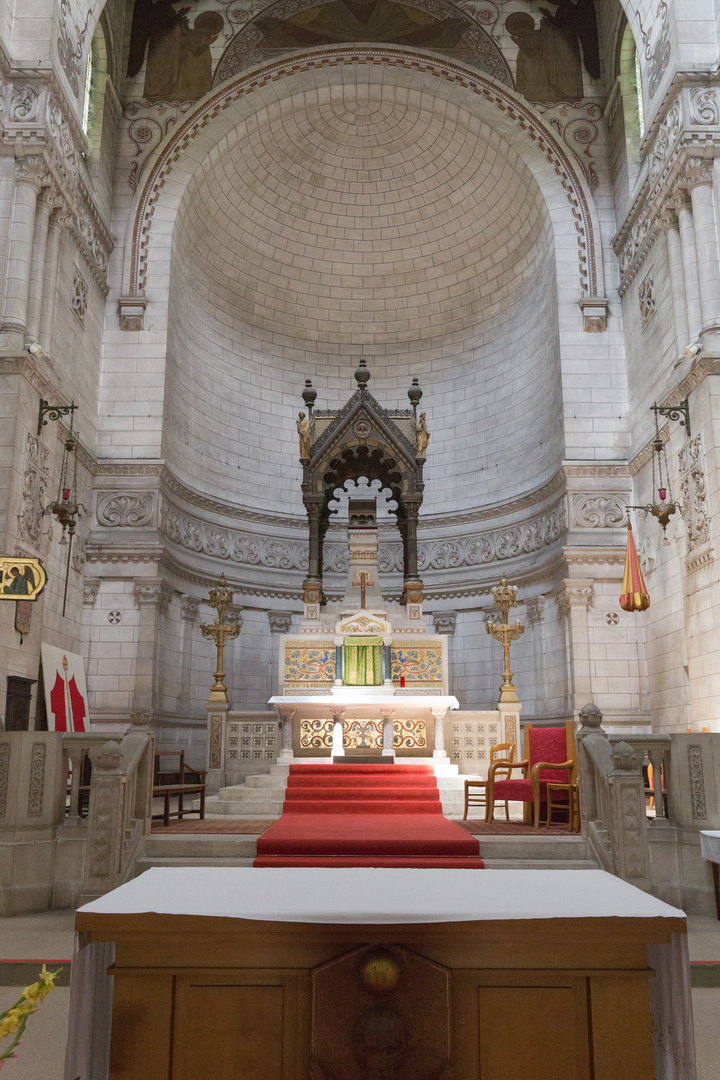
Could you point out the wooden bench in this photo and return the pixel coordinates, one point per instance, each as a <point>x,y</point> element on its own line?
<point>167,791</point>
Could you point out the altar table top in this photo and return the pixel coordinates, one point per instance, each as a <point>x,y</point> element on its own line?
<point>337,896</point>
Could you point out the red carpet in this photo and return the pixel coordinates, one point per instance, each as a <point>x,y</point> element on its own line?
<point>365,815</point>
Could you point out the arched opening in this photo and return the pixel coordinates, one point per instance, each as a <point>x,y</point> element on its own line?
<point>631,94</point>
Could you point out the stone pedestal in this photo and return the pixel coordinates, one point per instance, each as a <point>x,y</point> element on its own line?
<point>217,718</point>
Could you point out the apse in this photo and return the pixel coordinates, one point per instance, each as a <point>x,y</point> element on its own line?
<point>363,217</point>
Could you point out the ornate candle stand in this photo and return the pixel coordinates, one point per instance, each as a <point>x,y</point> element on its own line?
<point>505,597</point>
<point>220,632</point>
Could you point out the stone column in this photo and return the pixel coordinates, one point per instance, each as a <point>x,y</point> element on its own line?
<point>413,586</point>
<point>152,595</point>
<point>387,656</point>
<point>286,754</point>
<point>312,585</point>
<point>699,177</point>
<point>690,274</point>
<point>31,174</point>
<point>668,220</point>
<point>439,749</point>
<point>49,201</point>
<point>338,745</point>
<point>535,609</point>
<point>59,221</point>
<point>189,608</point>
<point>388,748</point>
<point>573,602</point>
<point>339,642</point>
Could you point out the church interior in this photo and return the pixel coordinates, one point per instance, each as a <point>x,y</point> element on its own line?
<point>360,452</point>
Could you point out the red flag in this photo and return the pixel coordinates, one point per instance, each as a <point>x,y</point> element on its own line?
<point>634,595</point>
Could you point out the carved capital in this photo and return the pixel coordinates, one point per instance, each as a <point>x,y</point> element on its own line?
<point>445,622</point>
<point>574,595</point>
<point>132,312</point>
<point>535,609</point>
<point>32,171</point>
<point>595,312</point>
<point>279,621</point>
<point>696,171</point>
<point>91,587</point>
<point>153,591</point>
<point>189,607</point>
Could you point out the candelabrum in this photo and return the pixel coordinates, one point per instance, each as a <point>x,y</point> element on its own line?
<point>220,632</point>
<point>505,597</point>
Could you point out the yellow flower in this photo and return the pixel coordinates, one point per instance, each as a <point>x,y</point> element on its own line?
<point>31,993</point>
<point>9,1023</point>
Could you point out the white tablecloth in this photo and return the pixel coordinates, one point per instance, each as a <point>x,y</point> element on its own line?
<point>380,895</point>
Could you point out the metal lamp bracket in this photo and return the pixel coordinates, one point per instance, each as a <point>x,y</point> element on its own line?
<point>52,412</point>
<point>675,412</point>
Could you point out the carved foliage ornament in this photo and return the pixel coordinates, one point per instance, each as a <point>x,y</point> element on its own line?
<point>35,482</point>
<point>605,511</point>
<point>36,787</point>
<point>693,493</point>
<point>118,510</point>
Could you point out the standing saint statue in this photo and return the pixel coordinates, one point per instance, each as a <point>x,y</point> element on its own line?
<point>423,436</point>
<point>303,430</point>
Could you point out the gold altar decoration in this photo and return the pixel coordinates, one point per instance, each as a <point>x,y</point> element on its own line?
<point>505,597</point>
<point>220,632</point>
<point>408,734</point>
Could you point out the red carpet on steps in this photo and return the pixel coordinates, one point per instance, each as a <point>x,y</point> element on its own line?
<point>365,815</point>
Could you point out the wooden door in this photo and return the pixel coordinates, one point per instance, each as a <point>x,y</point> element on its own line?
<point>248,1024</point>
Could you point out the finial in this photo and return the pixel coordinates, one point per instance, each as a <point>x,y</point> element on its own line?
<point>309,394</point>
<point>415,393</point>
<point>362,375</point>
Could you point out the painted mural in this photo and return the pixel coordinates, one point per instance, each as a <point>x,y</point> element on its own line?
<point>179,60</point>
<point>419,665</point>
<point>308,667</point>
<point>551,54</point>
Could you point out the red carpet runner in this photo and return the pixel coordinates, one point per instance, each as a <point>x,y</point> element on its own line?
<point>365,815</point>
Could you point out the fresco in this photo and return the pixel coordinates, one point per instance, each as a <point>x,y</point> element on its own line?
<point>361,20</point>
<point>551,55</point>
<point>179,60</point>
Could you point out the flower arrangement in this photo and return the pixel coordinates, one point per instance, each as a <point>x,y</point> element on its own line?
<point>13,1020</point>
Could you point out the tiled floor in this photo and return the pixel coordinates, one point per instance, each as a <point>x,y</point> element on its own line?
<point>50,937</point>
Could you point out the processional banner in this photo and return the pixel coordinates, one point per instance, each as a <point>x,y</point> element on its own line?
<point>65,689</point>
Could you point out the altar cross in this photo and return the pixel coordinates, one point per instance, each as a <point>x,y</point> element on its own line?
<point>363,580</point>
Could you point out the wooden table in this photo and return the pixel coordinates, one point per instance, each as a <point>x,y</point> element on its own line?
<point>499,975</point>
<point>167,791</point>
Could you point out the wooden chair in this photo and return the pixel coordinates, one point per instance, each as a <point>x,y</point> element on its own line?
<point>479,798</point>
<point>570,802</point>
<point>549,758</point>
<point>178,782</point>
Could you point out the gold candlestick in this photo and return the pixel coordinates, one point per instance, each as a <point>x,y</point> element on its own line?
<point>220,632</point>
<point>504,596</point>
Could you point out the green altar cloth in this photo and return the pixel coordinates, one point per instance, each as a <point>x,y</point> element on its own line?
<point>361,662</point>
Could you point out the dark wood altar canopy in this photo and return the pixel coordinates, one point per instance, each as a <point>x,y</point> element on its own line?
<point>362,439</point>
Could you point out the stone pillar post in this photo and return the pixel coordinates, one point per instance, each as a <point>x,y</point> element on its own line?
<point>339,642</point>
<point>217,721</point>
<point>388,749</point>
<point>50,200</point>
<point>338,744</point>
<point>105,833</point>
<point>439,748</point>
<point>312,585</point>
<point>152,595</point>
<point>59,221</point>
<point>669,221</point>
<point>573,602</point>
<point>690,273</point>
<point>74,752</point>
<point>387,657</point>
<point>535,610</point>
<point>31,174</point>
<point>286,753</point>
<point>699,177</point>
<point>413,586</point>
<point>629,834</point>
<point>189,609</point>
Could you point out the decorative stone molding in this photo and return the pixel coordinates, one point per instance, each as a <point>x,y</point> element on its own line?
<point>91,587</point>
<point>445,622</point>
<point>79,297</point>
<point>695,170</point>
<point>498,545</point>
<point>697,782</point>
<point>598,511</point>
<point>4,776</point>
<point>646,298</point>
<point>36,788</point>
<point>120,510</point>
<point>595,311</point>
<point>279,621</point>
<point>32,170</point>
<point>693,493</point>
<point>25,102</point>
<point>535,609</point>
<point>132,312</point>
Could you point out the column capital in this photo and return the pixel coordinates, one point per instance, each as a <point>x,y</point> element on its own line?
<point>575,594</point>
<point>696,171</point>
<point>32,171</point>
<point>189,607</point>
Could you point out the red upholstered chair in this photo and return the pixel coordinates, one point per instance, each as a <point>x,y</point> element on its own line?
<point>549,756</point>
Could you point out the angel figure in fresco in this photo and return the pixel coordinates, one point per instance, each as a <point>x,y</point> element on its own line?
<point>21,583</point>
<point>549,63</point>
<point>423,436</point>
<point>179,61</point>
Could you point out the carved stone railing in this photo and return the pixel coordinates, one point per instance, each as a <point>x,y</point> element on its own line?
<point>74,744</point>
<point>612,801</point>
<point>120,810</point>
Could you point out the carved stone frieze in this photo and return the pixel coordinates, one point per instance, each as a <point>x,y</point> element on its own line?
<point>4,776</point>
<point>35,482</point>
<point>125,510</point>
<point>36,787</point>
<point>697,782</point>
<point>24,103</point>
<point>598,510</point>
<point>693,492</point>
<point>496,545</point>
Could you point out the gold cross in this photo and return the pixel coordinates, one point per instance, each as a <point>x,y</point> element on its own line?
<point>220,632</point>
<point>363,580</point>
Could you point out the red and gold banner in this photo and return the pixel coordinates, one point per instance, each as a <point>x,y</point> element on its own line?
<point>634,595</point>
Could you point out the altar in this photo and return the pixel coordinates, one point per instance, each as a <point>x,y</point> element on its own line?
<point>375,974</point>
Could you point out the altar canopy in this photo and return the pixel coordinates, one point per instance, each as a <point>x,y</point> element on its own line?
<point>362,664</point>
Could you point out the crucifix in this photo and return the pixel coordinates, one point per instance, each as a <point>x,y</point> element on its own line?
<point>505,598</point>
<point>220,632</point>
<point>363,580</point>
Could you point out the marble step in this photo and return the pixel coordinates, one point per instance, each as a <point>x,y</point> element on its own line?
<point>266,806</point>
<point>149,862</point>
<point>194,845</point>
<point>526,850</point>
